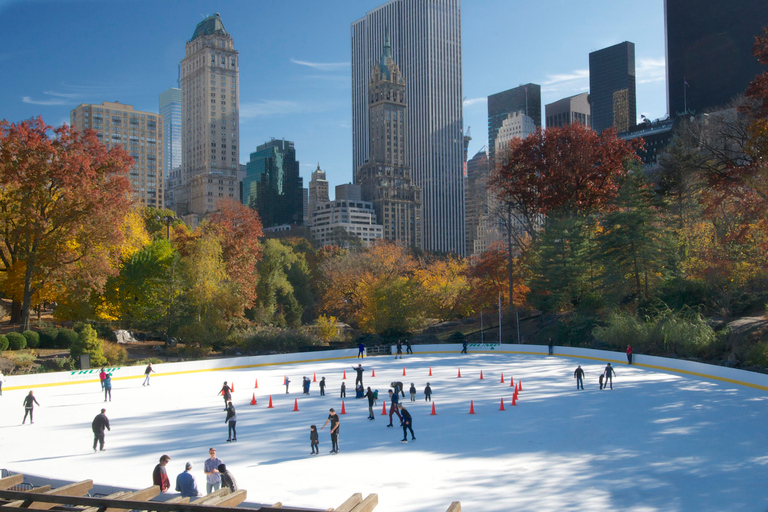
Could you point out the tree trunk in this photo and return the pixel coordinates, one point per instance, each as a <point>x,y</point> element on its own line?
<point>15,312</point>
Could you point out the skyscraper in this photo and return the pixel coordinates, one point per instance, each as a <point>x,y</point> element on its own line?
<point>516,126</point>
<point>709,48</point>
<point>210,121</point>
<point>272,184</point>
<point>573,109</point>
<point>612,87</point>
<point>476,196</point>
<point>426,44</point>
<point>525,98</point>
<point>385,179</point>
<point>318,191</point>
<point>170,109</point>
<point>141,136</point>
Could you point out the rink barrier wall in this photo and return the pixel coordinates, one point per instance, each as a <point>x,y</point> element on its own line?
<point>618,359</point>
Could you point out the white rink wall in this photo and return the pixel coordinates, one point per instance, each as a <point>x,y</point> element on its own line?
<point>679,366</point>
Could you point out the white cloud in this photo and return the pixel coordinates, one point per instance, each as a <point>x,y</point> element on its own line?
<point>567,83</point>
<point>650,70</point>
<point>51,102</point>
<point>270,108</point>
<point>474,101</point>
<point>322,66</point>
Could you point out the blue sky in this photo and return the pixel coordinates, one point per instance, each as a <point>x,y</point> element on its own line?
<point>294,60</point>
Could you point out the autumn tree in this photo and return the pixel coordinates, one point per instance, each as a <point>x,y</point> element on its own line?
<point>445,287</point>
<point>281,288</point>
<point>489,279</point>
<point>64,198</point>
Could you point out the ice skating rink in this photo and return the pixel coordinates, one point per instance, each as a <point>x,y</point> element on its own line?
<point>656,442</point>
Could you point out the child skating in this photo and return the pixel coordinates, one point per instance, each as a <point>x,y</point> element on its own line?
<point>314,441</point>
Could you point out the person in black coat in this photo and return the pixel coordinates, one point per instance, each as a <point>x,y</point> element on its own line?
<point>428,393</point>
<point>407,423</point>
<point>398,386</point>
<point>371,399</point>
<point>29,407</point>
<point>322,386</point>
<point>226,392</point>
<point>314,441</point>
<point>231,421</point>
<point>578,374</point>
<point>343,390</point>
<point>227,478</point>
<point>100,422</point>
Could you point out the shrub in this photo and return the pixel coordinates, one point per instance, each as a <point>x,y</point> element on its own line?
<point>59,364</point>
<point>455,337</point>
<point>16,341</point>
<point>48,337</point>
<point>65,339</point>
<point>327,327</point>
<point>22,360</point>
<point>88,343</point>
<point>115,354</point>
<point>3,342</point>
<point>105,332</point>
<point>33,339</point>
<point>757,355</point>
<point>275,339</point>
<point>142,362</point>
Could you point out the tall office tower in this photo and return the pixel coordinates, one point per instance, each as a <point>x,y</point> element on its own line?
<point>525,98</point>
<point>573,109</point>
<point>515,126</point>
<point>318,191</point>
<point>385,180</point>
<point>612,87</point>
<point>210,121</point>
<point>141,136</point>
<point>272,184</point>
<point>305,202</point>
<point>170,109</point>
<point>476,191</point>
<point>709,48</point>
<point>425,40</point>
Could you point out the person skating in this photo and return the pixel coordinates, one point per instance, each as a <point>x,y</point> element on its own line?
<point>629,354</point>
<point>322,386</point>
<point>334,419</point>
<point>211,470</point>
<point>2,379</point>
<point>314,440</point>
<point>287,381</point>
<point>360,350</point>
<point>600,380</point>
<point>371,399</point>
<point>307,383</point>
<point>408,349</point>
<point>102,376</point>
<point>407,424</point>
<point>343,390</point>
<point>186,484</point>
<point>578,374</point>
<point>100,422</point>
<point>107,385</point>
<point>231,421</point>
<point>226,392</point>
<point>464,347</point>
<point>29,407</point>
<point>398,386</point>
<point>359,369</point>
<point>147,371</point>
<point>227,478</point>
<point>359,392</point>
<point>610,373</point>
<point>393,407</point>
<point>428,393</point>
<point>550,346</point>
<point>412,391</point>
<point>160,475</point>
<point>399,353</point>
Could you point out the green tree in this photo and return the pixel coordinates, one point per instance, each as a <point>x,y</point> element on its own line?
<point>283,289</point>
<point>88,343</point>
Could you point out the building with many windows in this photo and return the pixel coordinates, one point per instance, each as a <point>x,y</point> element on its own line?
<point>709,51</point>
<point>516,126</point>
<point>348,215</point>
<point>573,109</point>
<point>141,136</point>
<point>272,184</point>
<point>525,98</point>
<point>170,109</point>
<point>318,191</point>
<point>385,180</point>
<point>210,122</point>
<point>426,44</point>
<point>612,87</point>
<point>476,190</point>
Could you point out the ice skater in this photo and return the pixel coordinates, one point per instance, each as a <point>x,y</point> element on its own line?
<point>610,373</point>
<point>231,421</point>
<point>629,354</point>
<point>550,347</point>
<point>100,422</point>
<point>408,349</point>
<point>287,381</point>
<point>407,424</point>
<point>393,408</point>
<point>600,380</point>
<point>412,391</point>
<point>2,379</point>
<point>314,441</point>
<point>29,407</point>
<point>343,390</point>
<point>399,353</point>
<point>398,387</point>
<point>107,385</point>
<point>322,386</point>
<point>578,374</point>
<point>371,399</point>
<point>334,419</point>
<point>464,347</point>
<point>360,350</point>
<point>359,369</point>
<point>307,383</point>
<point>226,392</point>
<point>147,371</point>
<point>428,393</point>
<point>102,376</point>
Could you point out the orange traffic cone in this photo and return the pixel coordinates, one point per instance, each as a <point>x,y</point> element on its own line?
<point>232,389</point>
<point>514,399</point>
<point>384,408</point>
<point>471,407</point>
<point>502,405</point>
<point>285,377</point>
<point>256,384</point>
<point>433,410</point>
<point>520,385</point>
<point>295,404</point>
<point>512,382</point>
<point>345,375</point>
<point>481,374</point>
<point>253,400</point>
<point>502,378</point>
<point>403,371</point>
<point>314,377</point>
<point>514,395</point>
<point>459,374</point>
<point>270,402</point>
<point>373,372</point>
<point>430,371</point>
<point>343,410</point>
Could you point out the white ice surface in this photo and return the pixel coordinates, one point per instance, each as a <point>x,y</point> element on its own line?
<point>656,442</point>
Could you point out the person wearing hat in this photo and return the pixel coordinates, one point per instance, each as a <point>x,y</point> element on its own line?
<point>334,419</point>
<point>185,483</point>
<point>160,475</point>
<point>227,478</point>
<point>578,374</point>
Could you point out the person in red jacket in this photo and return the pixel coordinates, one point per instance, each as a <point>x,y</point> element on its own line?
<point>629,354</point>
<point>160,476</point>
